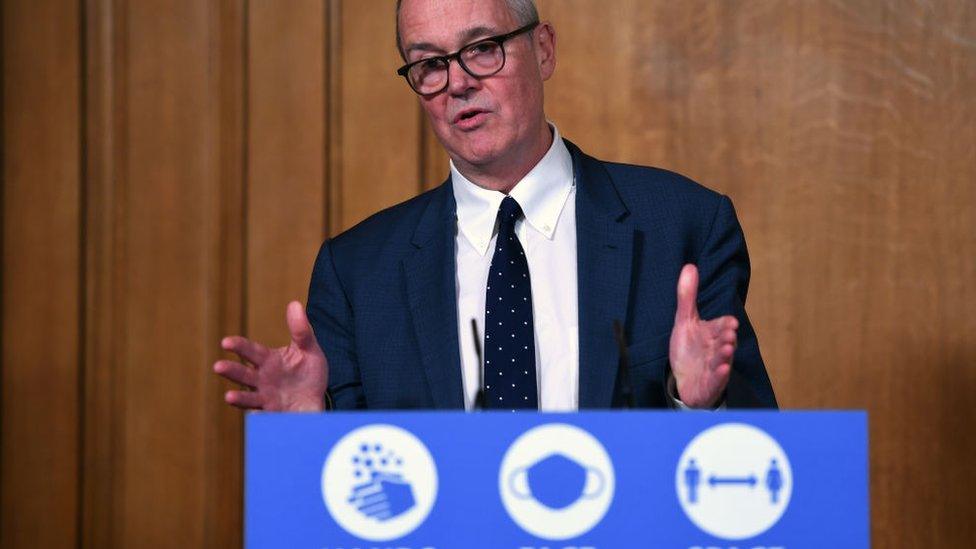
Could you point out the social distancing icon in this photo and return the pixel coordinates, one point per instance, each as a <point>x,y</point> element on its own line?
<point>734,481</point>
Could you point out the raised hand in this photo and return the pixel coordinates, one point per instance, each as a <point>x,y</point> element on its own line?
<point>701,350</point>
<point>286,379</point>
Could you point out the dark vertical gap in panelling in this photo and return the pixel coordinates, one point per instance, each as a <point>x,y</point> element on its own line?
<point>83,259</point>
<point>333,95</point>
<point>242,213</point>
<point>92,234</point>
<point>3,186</point>
<point>245,158</point>
<point>326,126</point>
<point>117,78</point>
<point>225,294</point>
<point>213,300</point>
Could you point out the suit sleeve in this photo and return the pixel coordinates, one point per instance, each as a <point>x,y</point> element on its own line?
<point>723,267</point>
<point>330,313</point>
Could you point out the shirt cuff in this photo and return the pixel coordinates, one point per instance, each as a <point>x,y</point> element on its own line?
<point>676,403</point>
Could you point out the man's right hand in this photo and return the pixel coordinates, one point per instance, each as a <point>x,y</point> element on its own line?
<point>284,379</point>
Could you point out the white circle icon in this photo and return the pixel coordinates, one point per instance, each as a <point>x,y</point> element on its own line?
<point>556,481</point>
<point>379,482</point>
<point>734,481</point>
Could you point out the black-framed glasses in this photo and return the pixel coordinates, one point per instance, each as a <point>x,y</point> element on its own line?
<point>482,58</point>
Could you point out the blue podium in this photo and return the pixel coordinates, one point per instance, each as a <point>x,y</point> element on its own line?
<point>532,480</point>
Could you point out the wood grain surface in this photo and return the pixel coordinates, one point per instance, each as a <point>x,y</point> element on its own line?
<point>41,248</point>
<point>845,134</point>
<point>286,135</point>
<point>168,188</point>
<point>170,168</point>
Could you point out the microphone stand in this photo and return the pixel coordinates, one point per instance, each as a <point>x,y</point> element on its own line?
<point>479,397</point>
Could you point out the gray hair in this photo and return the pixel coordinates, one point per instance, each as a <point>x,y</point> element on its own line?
<point>523,11</point>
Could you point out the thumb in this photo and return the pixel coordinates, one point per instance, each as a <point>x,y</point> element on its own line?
<point>298,326</point>
<point>687,293</point>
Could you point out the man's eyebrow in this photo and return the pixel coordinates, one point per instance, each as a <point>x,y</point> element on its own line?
<point>474,33</point>
<point>469,35</point>
<point>424,46</point>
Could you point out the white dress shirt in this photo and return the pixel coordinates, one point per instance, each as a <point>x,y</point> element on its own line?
<point>548,235</point>
<point>547,196</point>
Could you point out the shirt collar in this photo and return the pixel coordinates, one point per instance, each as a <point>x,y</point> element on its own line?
<point>542,194</point>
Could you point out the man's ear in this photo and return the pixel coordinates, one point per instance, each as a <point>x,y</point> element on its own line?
<point>545,49</point>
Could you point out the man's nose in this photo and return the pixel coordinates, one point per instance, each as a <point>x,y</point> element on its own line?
<point>459,81</point>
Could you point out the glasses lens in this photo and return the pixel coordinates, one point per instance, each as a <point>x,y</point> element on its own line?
<point>483,58</point>
<point>428,76</point>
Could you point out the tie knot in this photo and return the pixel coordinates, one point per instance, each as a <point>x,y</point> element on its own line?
<point>508,213</point>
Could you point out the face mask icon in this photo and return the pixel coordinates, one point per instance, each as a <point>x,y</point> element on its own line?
<point>556,481</point>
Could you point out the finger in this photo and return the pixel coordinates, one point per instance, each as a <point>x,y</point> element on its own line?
<point>298,326</point>
<point>721,324</point>
<point>247,400</point>
<point>687,293</point>
<point>728,336</point>
<point>724,355</point>
<point>236,372</point>
<point>715,327</point>
<point>727,322</point>
<point>251,351</point>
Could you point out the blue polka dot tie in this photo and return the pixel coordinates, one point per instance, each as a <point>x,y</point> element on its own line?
<point>509,341</point>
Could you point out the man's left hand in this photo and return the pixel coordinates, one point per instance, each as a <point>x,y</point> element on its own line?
<point>701,350</point>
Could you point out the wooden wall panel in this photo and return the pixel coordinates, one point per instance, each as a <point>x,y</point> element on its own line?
<point>286,157</point>
<point>40,300</point>
<point>224,457</point>
<point>846,135</point>
<point>104,270</point>
<point>380,129</point>
<point>169,187</point>
<point>164,247</point>
<point>159,284</point>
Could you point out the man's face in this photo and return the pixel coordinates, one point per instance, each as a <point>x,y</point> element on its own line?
<point>480,121</point>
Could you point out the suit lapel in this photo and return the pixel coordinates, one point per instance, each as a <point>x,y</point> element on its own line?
<point>604,249</point>
<point>430,284</point>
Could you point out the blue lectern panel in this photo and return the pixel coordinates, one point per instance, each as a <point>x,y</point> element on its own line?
<point>522,480</point>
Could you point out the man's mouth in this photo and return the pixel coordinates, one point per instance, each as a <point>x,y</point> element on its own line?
<point>469,117</point>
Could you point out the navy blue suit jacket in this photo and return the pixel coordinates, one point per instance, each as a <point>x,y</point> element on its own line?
<point>383,299</point>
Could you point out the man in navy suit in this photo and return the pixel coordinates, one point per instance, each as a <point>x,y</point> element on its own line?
<point>530,232</point>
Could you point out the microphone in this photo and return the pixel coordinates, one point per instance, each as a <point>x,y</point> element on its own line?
<point>479,397</point>
<point>623,373</point>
